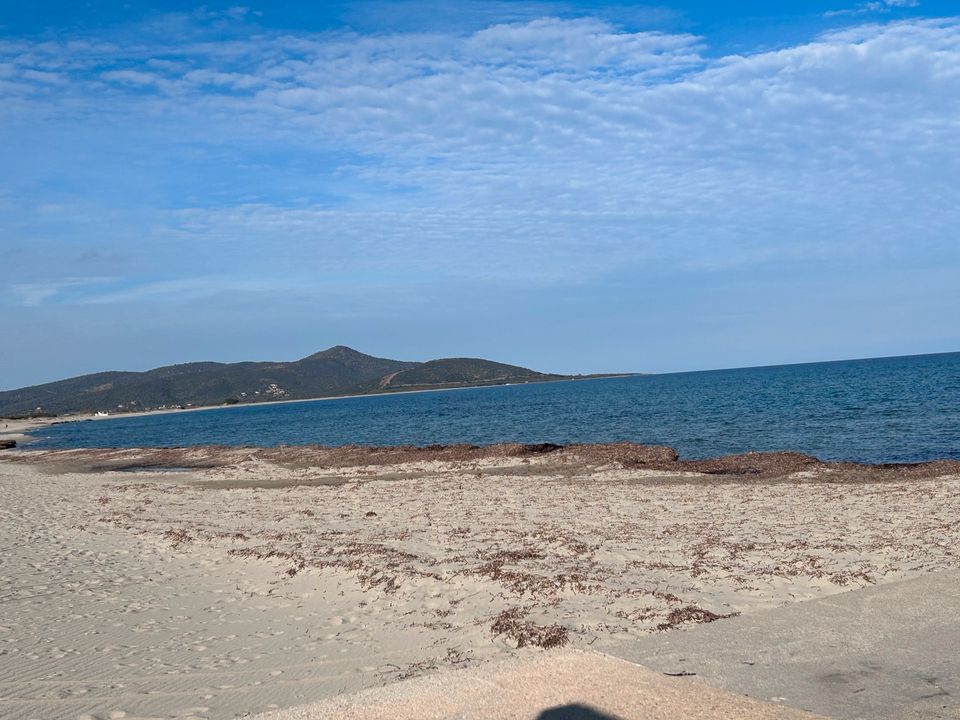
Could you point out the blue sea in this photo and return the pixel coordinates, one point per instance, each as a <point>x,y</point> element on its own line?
<point>904,409</point>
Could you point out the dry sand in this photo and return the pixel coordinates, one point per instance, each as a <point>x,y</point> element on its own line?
<point>560,685</point>
<point>18,430</point>
<point>246,581</point>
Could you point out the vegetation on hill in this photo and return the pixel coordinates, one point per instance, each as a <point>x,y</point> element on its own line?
<point>458,371</point>
<point>337,371</point>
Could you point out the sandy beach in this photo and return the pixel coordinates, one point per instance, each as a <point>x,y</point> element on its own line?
<point>19,430</point>
<point>464,360</point>
<point>220,583</point>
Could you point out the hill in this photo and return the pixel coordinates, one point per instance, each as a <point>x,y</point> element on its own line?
<point>454,372</point>
<point>337,371</point>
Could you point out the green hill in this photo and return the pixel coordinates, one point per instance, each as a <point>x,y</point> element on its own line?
<point>337,371</point>
<point>458,372</point>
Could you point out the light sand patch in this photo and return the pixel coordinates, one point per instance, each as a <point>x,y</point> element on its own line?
<point>566,684</point>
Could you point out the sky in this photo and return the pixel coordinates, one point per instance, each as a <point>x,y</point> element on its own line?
<point>568,186</point>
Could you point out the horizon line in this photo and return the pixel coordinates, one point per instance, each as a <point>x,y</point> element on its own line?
<point>622,373</point>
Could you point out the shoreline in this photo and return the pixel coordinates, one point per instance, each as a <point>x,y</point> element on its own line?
<point>653,457</point>
<point>782,465</point>
<point>23,427</point>
<point>23,432</point>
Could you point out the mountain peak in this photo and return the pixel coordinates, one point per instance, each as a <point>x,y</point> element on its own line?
<point>337,352</point>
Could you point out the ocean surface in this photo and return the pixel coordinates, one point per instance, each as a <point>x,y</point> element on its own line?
<point>904,409</point>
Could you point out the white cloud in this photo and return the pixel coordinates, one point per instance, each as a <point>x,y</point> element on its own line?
<point>131,77</point>
<point>178,290</point>
<point>873,6</point>
<point>543,151</point>
<point>115,290</point>
<point>423,186</point>
<point>34,294</point>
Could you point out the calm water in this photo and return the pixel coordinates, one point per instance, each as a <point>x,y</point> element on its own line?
<point>887,410</point>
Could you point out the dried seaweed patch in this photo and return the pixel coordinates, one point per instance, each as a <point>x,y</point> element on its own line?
<point>514,625</point>
<point>690,614</point>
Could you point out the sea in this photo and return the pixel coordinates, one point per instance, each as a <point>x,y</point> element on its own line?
<point>886,410</point>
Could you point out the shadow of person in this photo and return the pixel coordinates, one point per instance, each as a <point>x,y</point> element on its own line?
<point>574,712</point>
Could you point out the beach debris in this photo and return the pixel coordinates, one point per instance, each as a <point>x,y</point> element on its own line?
<point>177,537</point>
<point>755,465</point>
<point>514,625</point>
<point>691,614</point>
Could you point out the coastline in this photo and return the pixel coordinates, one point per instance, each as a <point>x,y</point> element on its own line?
<point>20,429</point>
<point>785,466</point>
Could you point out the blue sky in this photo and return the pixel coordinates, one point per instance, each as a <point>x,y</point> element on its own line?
<point>574,187</point>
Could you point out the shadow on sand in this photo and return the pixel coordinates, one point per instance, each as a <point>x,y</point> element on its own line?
<point>574,712</point>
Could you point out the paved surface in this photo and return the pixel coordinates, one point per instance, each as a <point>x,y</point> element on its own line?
<point>553,685</point>
<point>891,651</point>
